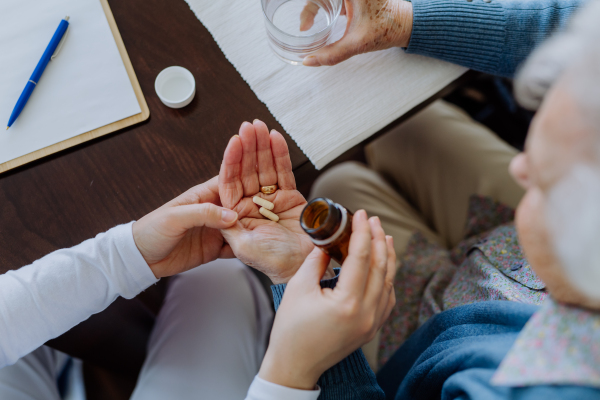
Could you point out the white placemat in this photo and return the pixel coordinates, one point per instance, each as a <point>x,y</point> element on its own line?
<point>326,110</point>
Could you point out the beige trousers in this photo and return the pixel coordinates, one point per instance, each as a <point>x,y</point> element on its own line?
<point>421,176</point>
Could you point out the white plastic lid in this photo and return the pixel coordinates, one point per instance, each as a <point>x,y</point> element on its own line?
<point>175,87</point>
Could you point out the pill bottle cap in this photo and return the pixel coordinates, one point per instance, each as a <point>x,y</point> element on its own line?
<point>175,87</point>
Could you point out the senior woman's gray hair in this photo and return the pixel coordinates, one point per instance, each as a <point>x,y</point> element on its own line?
<point>581,39</point>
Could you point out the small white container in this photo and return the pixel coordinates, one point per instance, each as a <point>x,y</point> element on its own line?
<point>175,87</point>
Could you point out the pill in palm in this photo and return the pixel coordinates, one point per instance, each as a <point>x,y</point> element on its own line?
<point>263,203</point>
<point>268,214</point>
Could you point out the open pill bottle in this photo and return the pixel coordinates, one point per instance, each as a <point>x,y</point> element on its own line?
<point>329,226</point>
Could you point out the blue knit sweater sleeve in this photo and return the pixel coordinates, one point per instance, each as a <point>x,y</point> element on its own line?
<point>493,36</point>
<point>352,378</point>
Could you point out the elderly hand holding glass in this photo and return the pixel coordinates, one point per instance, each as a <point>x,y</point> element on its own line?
<point>372,25</point>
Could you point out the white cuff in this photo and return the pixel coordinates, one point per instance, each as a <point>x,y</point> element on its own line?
<point>132,259</point>
<point>264,390</point>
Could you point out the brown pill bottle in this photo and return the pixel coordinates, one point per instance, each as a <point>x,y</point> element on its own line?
<point>329,226</point>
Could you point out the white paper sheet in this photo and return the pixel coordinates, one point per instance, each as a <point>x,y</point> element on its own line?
<point>326,110</point>
<point>82,89</point>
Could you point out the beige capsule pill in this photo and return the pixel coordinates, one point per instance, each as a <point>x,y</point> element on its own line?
<point>268,214</point>
<point>263,203</point>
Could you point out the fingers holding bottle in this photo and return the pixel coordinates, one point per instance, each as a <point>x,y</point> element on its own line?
<point>378,265</point>
<point>316,327</point>
<point>375,295</point>
<point>355,269</point>
<point>388,298</point>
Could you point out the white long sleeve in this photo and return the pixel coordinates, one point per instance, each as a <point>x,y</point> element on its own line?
<point>47,298</point>
<point>264,390</point>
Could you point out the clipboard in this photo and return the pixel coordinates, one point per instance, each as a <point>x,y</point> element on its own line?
<point>103,130</point>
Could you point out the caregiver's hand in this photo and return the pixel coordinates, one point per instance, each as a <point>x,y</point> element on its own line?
<point>253,159</point>
<point>316,328</point>
<point>184,233</point>
<point>372,25</point>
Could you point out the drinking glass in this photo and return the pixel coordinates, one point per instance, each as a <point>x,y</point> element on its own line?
<point>282,20</point>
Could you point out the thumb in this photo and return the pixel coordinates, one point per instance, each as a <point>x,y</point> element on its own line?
<point>334,53</point>
<point>198,215</point>
<point>313,268</point>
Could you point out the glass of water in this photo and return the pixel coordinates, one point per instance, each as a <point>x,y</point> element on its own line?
<point>297,28</point>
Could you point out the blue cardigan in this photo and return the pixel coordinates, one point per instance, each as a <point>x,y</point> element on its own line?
<point>451,357</point>
<point>455,354</point>
<point>493,36</point>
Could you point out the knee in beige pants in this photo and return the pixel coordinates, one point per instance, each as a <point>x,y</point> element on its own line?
<point>421,178</point>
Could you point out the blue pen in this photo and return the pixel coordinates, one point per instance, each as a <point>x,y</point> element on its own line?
<point>51,52</point>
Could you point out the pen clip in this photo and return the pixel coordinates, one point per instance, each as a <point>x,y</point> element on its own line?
<point>62,41</point>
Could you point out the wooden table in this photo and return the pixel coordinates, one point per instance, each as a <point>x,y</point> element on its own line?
<point>64,199</point>
<point>61,200</point>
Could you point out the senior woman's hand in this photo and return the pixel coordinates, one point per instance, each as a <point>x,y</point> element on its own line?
<point>372,25</point>
<point>316,328</point>
<point>253,159</point>
<point>184,233</point>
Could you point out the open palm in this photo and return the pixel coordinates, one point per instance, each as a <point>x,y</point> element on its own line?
<point>253,159</point>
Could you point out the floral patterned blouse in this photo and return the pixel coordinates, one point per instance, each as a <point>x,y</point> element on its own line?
<point>560,344</point>
<point>487,265</point>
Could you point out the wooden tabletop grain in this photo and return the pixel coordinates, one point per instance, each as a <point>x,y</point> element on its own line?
<point>64,199</point>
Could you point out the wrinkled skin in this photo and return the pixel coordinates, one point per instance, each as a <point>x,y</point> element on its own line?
<point>557,139</point>
<point>258,158</point>
<point>372,25</point>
